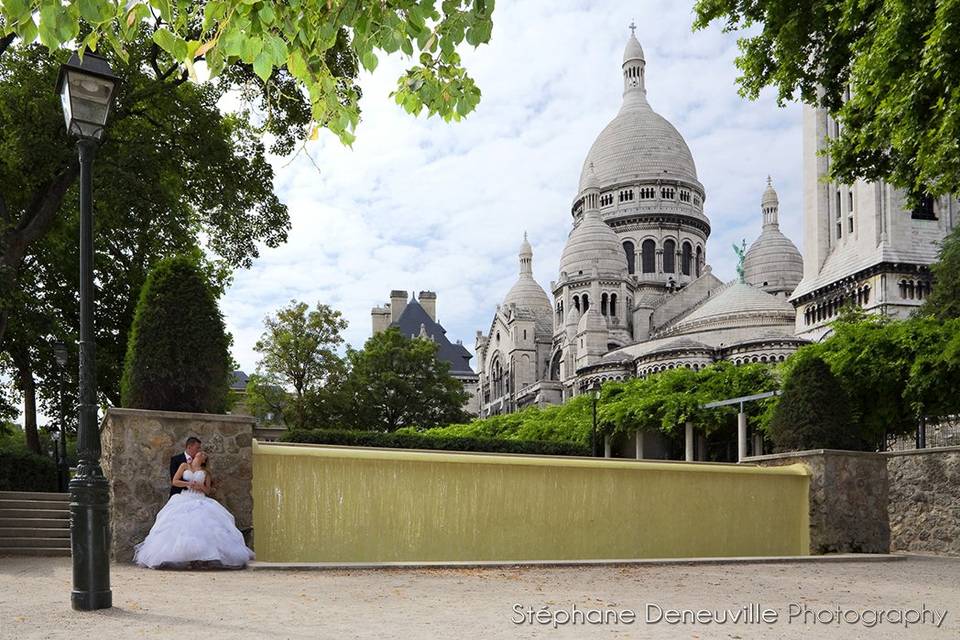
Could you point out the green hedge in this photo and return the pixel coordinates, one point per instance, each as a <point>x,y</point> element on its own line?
<point>445,443</point>
<point>26,471</point>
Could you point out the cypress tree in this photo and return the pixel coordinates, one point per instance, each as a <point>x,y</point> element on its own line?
<point>178,355</point>
<point>814,411</point>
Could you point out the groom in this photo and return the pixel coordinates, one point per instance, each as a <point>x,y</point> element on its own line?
<point>189,450</point>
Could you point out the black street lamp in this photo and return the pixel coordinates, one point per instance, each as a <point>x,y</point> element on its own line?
<point>595,396</point>
<point>60,351</point>
<point>86,88</point>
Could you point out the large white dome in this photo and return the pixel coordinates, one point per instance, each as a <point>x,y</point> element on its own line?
<point>639,144</point>
<point>772,262</point>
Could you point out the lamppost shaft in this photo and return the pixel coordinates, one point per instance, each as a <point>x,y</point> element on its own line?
<point>89,490</point>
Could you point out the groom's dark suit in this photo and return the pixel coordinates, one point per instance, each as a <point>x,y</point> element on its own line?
<point>175,463</point>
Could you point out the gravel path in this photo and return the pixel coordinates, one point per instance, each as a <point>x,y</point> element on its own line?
<point>480,603</point>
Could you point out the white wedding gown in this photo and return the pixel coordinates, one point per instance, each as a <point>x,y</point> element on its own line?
<point>193,528</point>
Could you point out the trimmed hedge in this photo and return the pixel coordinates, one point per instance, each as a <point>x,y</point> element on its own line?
<point>443,443</point>
<point>26,471</point>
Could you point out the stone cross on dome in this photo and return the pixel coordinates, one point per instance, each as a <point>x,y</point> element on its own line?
<point>633,28</point>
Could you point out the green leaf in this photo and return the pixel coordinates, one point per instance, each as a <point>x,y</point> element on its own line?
<point>369,61</point>
<point>263,66</point>
<point>250,48</point>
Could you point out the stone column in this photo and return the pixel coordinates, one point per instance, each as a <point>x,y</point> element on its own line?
<point>639,444</point>
<point>688,432</point>
<point>606,447</point>
<point>741,435</point>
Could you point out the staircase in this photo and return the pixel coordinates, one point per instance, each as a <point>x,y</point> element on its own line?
<point>34,524</point>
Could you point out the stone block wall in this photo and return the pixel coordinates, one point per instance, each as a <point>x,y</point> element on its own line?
<point>924,502</point>
<point>848,499</point>
<point>137,447</point>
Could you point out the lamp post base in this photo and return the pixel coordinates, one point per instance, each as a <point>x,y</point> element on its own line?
<point>90,542</point>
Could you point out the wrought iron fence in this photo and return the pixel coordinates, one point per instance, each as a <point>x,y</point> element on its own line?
<point>935,432</point>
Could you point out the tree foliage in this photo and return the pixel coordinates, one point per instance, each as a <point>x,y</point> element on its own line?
<point>296,36</point>
<point>944,300</point>
<point>174,171</point>
<point>299,352</point>
<point>895,60</point>
<point>178,355</point>
<point>814,412</point>
<point>395,381</point>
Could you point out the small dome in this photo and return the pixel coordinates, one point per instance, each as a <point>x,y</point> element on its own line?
<point>592,240</point>
<point>769,198</point>
<point>633,50</point>
<point>772,262</point>
<point>727,307</point>
<point>527,294</point>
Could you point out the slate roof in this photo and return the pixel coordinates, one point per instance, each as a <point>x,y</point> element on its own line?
<point>413,317</point>
<point>238,381</point>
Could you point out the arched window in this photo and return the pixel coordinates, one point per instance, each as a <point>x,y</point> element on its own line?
<point>613,304</point>
<point>649,256</point>
<point>586,303</point>
<point>555,366</point>
<point>685,259</point>
<point>699,259</point>
<point>669,256</point>
<point>630,251</point>
<point>603,304</point>
<point>576,302</point>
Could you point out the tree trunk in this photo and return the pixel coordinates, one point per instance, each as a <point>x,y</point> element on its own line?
<point>29,390</point>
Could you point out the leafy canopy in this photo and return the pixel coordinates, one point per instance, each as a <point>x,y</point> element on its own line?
<point>298,352</point>
<point>896,62</point>
<point>396,381</point>
<point>295,35</point>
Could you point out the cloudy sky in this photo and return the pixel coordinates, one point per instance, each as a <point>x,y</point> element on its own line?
<point>421,204</point>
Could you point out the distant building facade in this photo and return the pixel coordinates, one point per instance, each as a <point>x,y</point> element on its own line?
<point>417,318</point>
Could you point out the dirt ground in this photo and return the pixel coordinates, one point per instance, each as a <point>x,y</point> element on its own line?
<point>492,603</point>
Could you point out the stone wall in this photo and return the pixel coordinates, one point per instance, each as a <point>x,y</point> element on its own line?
<point>137,447</point>
<point>924,503</point>
<point>848,499</point>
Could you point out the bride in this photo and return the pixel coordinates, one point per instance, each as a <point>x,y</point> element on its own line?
<point>192,527</point>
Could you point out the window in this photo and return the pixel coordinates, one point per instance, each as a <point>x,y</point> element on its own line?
<point>576,302</point>
<point>647,193</point>
<point>837,216</point>
<point>699,259</point>
<point>684,195</point>
<point>630,252</point>
<point>603,304</point>
<point>924,209</point>
<point>669,256</point>
<point>667,193</point>
<point>649,256</point>
<point>613,304</point>
<point>685,259</point>
<point>586,303</point>
<point>626,196</point>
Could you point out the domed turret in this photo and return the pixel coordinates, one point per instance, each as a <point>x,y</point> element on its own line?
<point>772,263</point>
<point>526,293</point>
<point>592,242</point>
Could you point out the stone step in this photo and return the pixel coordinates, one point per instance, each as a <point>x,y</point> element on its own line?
<point>44,543</point>
<point>34,504</point>
<point>34,551</point>
<point>47,514</point>
<point>34,495</point>
<point>35,523</point>
<point>33,532</point>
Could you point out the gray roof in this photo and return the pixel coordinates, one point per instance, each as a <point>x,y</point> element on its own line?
<point>238,380</point>
<point>414,317</point>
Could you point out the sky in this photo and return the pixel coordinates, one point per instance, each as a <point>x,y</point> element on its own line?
<point>419,204</point>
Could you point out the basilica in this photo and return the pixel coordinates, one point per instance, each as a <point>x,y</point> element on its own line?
<point>635,293</point>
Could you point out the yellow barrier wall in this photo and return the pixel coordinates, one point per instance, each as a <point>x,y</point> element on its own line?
<point>351,504</point>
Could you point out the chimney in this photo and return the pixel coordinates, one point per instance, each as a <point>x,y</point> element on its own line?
<point>380,318</point>
<point>398,302</point>
<point>428,300</point>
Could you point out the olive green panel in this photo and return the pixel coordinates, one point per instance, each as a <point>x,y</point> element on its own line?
<point>351,504</point>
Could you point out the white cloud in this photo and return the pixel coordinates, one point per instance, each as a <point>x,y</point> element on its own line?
<point>422,204</point>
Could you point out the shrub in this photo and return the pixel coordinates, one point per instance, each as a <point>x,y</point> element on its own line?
<point>445,443</point>
<point>814,411</point>
<point>22,470</point>
<point>178,352</point>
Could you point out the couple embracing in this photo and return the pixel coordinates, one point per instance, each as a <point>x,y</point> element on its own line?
<point>192,527</point>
